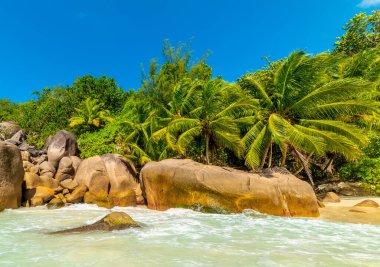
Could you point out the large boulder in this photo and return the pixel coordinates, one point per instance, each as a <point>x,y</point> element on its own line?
<point>93,173</point>
<point>184,183</point>
<point>11,176</point>
<point>123,178</point>
<point>62,145</point>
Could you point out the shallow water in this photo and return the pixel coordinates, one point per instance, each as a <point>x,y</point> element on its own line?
<point>179,237</point>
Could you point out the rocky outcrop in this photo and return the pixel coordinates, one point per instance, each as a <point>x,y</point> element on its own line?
<point>111,181</point>
<point>177,183</point>
<point>93,173</point>
<point>11,176</point>
<point>123,176</point>
<point>62,145</point>
<point>111,222</point>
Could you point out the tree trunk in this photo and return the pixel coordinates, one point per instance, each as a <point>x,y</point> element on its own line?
<point>328,167</point>
<point>207,149</point>
<point>303,162</point>
<point>307,161</point>
<point>265,154</point>
<point>284,152</point>
<point>270,155</point>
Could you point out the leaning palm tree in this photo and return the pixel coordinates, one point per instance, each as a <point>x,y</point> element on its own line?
<point>184,99</point>
<point>302,110</point>
<point>211,110</point>
<point>90,115</point>
<point>136,135</point>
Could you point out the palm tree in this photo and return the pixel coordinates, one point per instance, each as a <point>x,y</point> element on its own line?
<point>208,110</point>
<point>138,125</point>
<point>302,110</point>
<point>90,115</point>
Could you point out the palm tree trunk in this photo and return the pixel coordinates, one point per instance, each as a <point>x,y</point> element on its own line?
<point>270,155</point>
<point>303,162</point>
<point>265,154</point>
<point>207,149</point>
<point>284,152</point>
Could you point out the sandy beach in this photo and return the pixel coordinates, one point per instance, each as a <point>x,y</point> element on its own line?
<point>340,212</point>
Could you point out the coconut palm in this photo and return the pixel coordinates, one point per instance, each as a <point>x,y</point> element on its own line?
<point>208,110</point>
<point>301,112</point>
<point>184,100</point>
<point>90,115</point>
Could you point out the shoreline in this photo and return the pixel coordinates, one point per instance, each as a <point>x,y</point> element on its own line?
<point>340,212</point>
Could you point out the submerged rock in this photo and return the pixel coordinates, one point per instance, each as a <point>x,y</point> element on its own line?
<point>184,183</point>
<point>113,221</point>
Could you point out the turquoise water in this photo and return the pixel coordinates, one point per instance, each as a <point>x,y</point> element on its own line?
<point>179,237</point>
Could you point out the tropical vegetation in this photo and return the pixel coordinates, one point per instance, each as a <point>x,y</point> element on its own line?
<point>317,115</point>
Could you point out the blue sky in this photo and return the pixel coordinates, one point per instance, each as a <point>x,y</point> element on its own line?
<point>48,43</point>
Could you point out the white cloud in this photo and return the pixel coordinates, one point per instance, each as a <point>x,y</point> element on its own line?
<point>369,3</point>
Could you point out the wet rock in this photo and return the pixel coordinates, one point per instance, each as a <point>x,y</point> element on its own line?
<point>36,201</point>
<point>101,199</point>
<point>124,198</point>
<point>77,195</point>
<point>55,203</point>
<point>111,222</point>
<point>45,193</point>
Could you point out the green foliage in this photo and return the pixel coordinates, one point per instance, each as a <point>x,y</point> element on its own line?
<point>90,116</point>
<point>361,32</point>
<point>46,115</point>
<point>295,112</point>
<point>366,170</point>
<point>301,110</point>
<point>104,89</point>
<point>8,110</point>
<point>99,142</point>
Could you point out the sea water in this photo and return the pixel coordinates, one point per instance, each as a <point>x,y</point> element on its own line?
<point>179,237</point>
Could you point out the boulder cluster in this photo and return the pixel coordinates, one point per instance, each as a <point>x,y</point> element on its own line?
<point>56,176</point>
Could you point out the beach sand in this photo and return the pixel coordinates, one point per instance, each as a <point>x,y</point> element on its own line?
<point>340,212</point>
